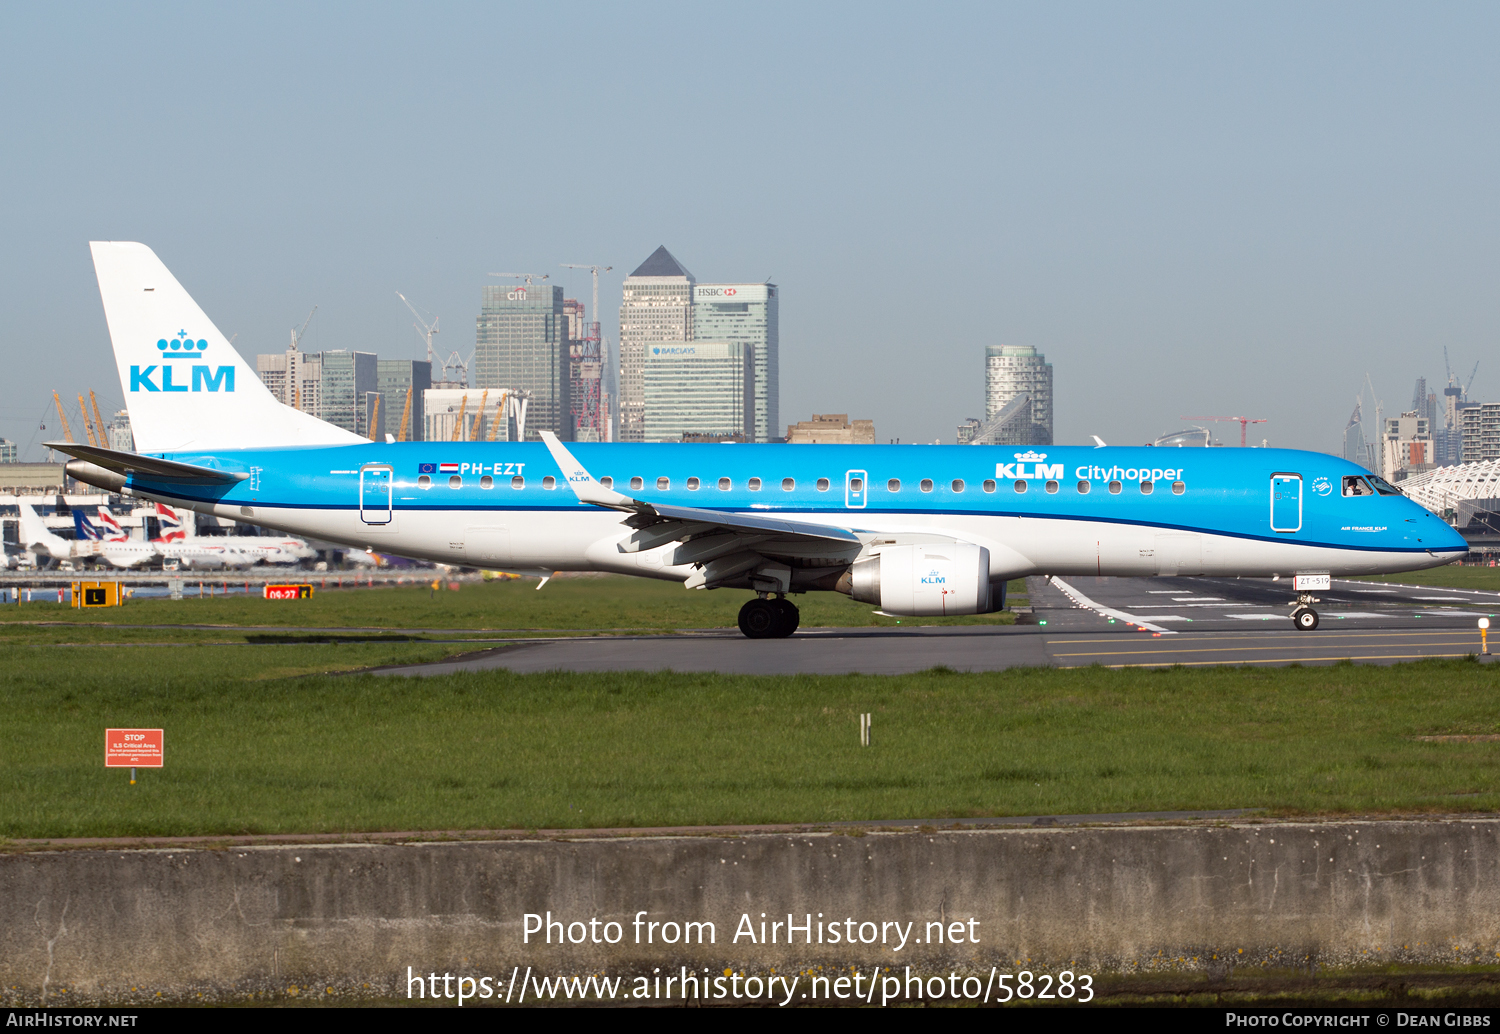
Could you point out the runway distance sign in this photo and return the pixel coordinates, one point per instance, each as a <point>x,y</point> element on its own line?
<point>288,592</point>
<point>133,748</point>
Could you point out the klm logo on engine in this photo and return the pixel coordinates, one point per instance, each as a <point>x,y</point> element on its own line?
<point>1039,469</point>
<point>180,368</point>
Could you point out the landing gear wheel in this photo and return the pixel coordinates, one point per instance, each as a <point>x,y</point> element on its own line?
<point>760,619</point>
<point>1305,618</point>
<point>791,617</point>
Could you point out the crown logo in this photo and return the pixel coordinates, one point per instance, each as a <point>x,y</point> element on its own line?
<point>181,346</point>
<point>1030,457</point>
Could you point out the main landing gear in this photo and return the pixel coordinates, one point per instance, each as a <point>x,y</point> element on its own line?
<point>769,618</point>
<point>1303,616</point>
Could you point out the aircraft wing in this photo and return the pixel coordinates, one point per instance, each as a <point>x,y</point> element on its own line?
<point>128,463</point>
<point>657,524</point>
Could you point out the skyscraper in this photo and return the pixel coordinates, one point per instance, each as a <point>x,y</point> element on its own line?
<point>1010,370</point>
<point>697,388</point>
<point>522,345</point>
<point>347,378</point>
<point>657,309</point>
<point>747,313</point>
<point>395,378</point>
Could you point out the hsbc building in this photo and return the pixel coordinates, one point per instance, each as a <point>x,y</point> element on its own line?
<point>747,314</point>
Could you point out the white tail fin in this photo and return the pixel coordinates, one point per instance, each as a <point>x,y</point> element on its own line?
<point>185,386</point>
<point>35,536</point>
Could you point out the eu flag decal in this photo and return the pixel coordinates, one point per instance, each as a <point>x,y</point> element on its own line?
<point>426,468</point>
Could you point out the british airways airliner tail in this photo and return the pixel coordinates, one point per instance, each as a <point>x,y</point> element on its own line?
<point>916,530</point>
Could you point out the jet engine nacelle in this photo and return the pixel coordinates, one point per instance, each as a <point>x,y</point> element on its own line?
<point>925,580</point>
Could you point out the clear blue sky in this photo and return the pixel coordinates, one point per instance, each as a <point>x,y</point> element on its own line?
<point>1191,208</point>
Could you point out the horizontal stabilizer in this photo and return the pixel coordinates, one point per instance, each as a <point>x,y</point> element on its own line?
<point>129,463</point>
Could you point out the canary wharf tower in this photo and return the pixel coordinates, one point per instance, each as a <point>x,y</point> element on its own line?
<point>657,308</point>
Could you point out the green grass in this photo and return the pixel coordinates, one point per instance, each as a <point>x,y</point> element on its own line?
<point>1452,576</point>
<point>255,744</point>
<point>614,603</point>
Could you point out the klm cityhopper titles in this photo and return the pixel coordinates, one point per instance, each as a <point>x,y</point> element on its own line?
<point>916,530</point>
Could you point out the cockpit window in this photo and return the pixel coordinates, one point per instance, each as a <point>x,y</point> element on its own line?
<point>1384,487</point>
<point>1357,486</point>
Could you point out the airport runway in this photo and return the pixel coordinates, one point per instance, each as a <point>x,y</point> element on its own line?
<point>1115,622</point>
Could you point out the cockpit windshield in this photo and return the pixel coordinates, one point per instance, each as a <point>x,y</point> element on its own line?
<point>1384,487</point>
<point>1357,486</point>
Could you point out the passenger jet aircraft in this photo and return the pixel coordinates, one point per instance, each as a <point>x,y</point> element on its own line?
<point>916,530</point>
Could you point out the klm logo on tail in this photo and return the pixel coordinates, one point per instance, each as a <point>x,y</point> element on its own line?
<point>177,352</point>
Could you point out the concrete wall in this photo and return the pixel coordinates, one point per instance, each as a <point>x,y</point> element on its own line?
<point>154,925</point>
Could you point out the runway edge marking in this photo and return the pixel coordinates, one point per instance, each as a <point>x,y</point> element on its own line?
<point>1109,612</point>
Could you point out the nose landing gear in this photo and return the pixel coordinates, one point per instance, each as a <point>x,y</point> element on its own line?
<point>1303,616</point>
<point>769,618</point>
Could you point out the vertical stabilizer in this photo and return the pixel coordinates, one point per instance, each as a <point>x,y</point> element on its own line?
<point>185,386</point>
<point>35,536</point>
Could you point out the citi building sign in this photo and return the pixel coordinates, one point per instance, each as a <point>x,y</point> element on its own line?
<point>181,368</point>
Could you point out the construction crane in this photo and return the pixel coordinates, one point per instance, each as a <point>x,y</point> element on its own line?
<point>98,420</point>
<point>1243,421</point>
<point>424,329</point>
<point>294,381</point>
<point>478,416</point>
<point>528,277</point>
<point>499,415</point>
<point>88,427</point>
<point>405,417</point>
<point>458,425</point>
<point>588,370</point>
<point>67,431</point>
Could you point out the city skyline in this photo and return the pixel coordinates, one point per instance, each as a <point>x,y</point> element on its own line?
<point>1236,211</point>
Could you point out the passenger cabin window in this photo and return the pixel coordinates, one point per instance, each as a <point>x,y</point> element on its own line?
<point>1147,487</point>
<point>1052,488</point>
<point>1020,488</point>
<point>637,483</point>
<point>1114,488</point>
<point>958,485</point>
<point>1083,487</point>
<point>787,484</point>
<point>662,484</point>
<point>989,486</point>
<point>927,484</point>
<point>424,481</point>
<point>723,484</point>
<point>856,484</point>
<point>1178,488</point>
<point>755,484</point>
<point>518,482</point>
<point>692,484</point>
<point>455,482</point>
<point>486,482</point>
<point>549,482</point>
<point>607,481</point>
<point>822,484</point>
<point>893,485</point>
<point>1357,486</point>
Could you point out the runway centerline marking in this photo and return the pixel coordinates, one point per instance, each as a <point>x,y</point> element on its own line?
<point>1275,660</point>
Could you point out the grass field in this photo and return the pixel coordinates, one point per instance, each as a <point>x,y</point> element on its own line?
<point>258,740</point>
<point>1452,576</point>
<point>614,603</point>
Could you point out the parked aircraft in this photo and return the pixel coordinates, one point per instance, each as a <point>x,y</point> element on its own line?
<point>916,530</point>
<point>36,537</point>
<point>109,542</point>
<point>224,550</point>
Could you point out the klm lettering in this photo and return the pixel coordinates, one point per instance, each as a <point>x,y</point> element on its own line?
<point>1018,470</point>
<point>205,378</point>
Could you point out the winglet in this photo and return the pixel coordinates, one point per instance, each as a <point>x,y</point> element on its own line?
<point>582,482</point>
<point>1098,442</point>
